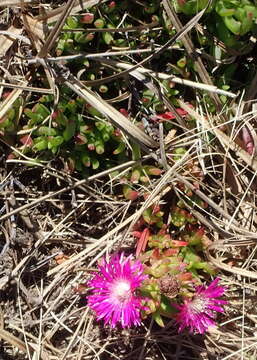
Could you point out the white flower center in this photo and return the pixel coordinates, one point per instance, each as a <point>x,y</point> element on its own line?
<point>198,305</point>
<point>121,290</point>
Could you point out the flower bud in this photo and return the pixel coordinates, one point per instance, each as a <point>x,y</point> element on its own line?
<point>87,18</point>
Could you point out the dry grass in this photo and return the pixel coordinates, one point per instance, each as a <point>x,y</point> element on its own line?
<point>54,227</point>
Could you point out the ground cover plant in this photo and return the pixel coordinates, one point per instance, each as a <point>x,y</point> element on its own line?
<point>127,178</point>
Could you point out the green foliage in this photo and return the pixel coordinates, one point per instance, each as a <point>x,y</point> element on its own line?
<point>191,7</point>
<point>232,17</point>
<point>75,130</point>
<point>9,123</point>
<point>238,15</point>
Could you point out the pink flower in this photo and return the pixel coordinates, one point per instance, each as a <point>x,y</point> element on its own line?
<point>198,313</point>
<point>114,298</point>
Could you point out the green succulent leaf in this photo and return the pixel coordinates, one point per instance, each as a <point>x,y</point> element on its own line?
<point>41,143</point>
<point>47,131</point>
<point>158,319</point>
<point>55,142</point>
<point>69,131</point>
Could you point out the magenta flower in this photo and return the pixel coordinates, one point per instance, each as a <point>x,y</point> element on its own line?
<point>198,313</point>
<point>114,298</point>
